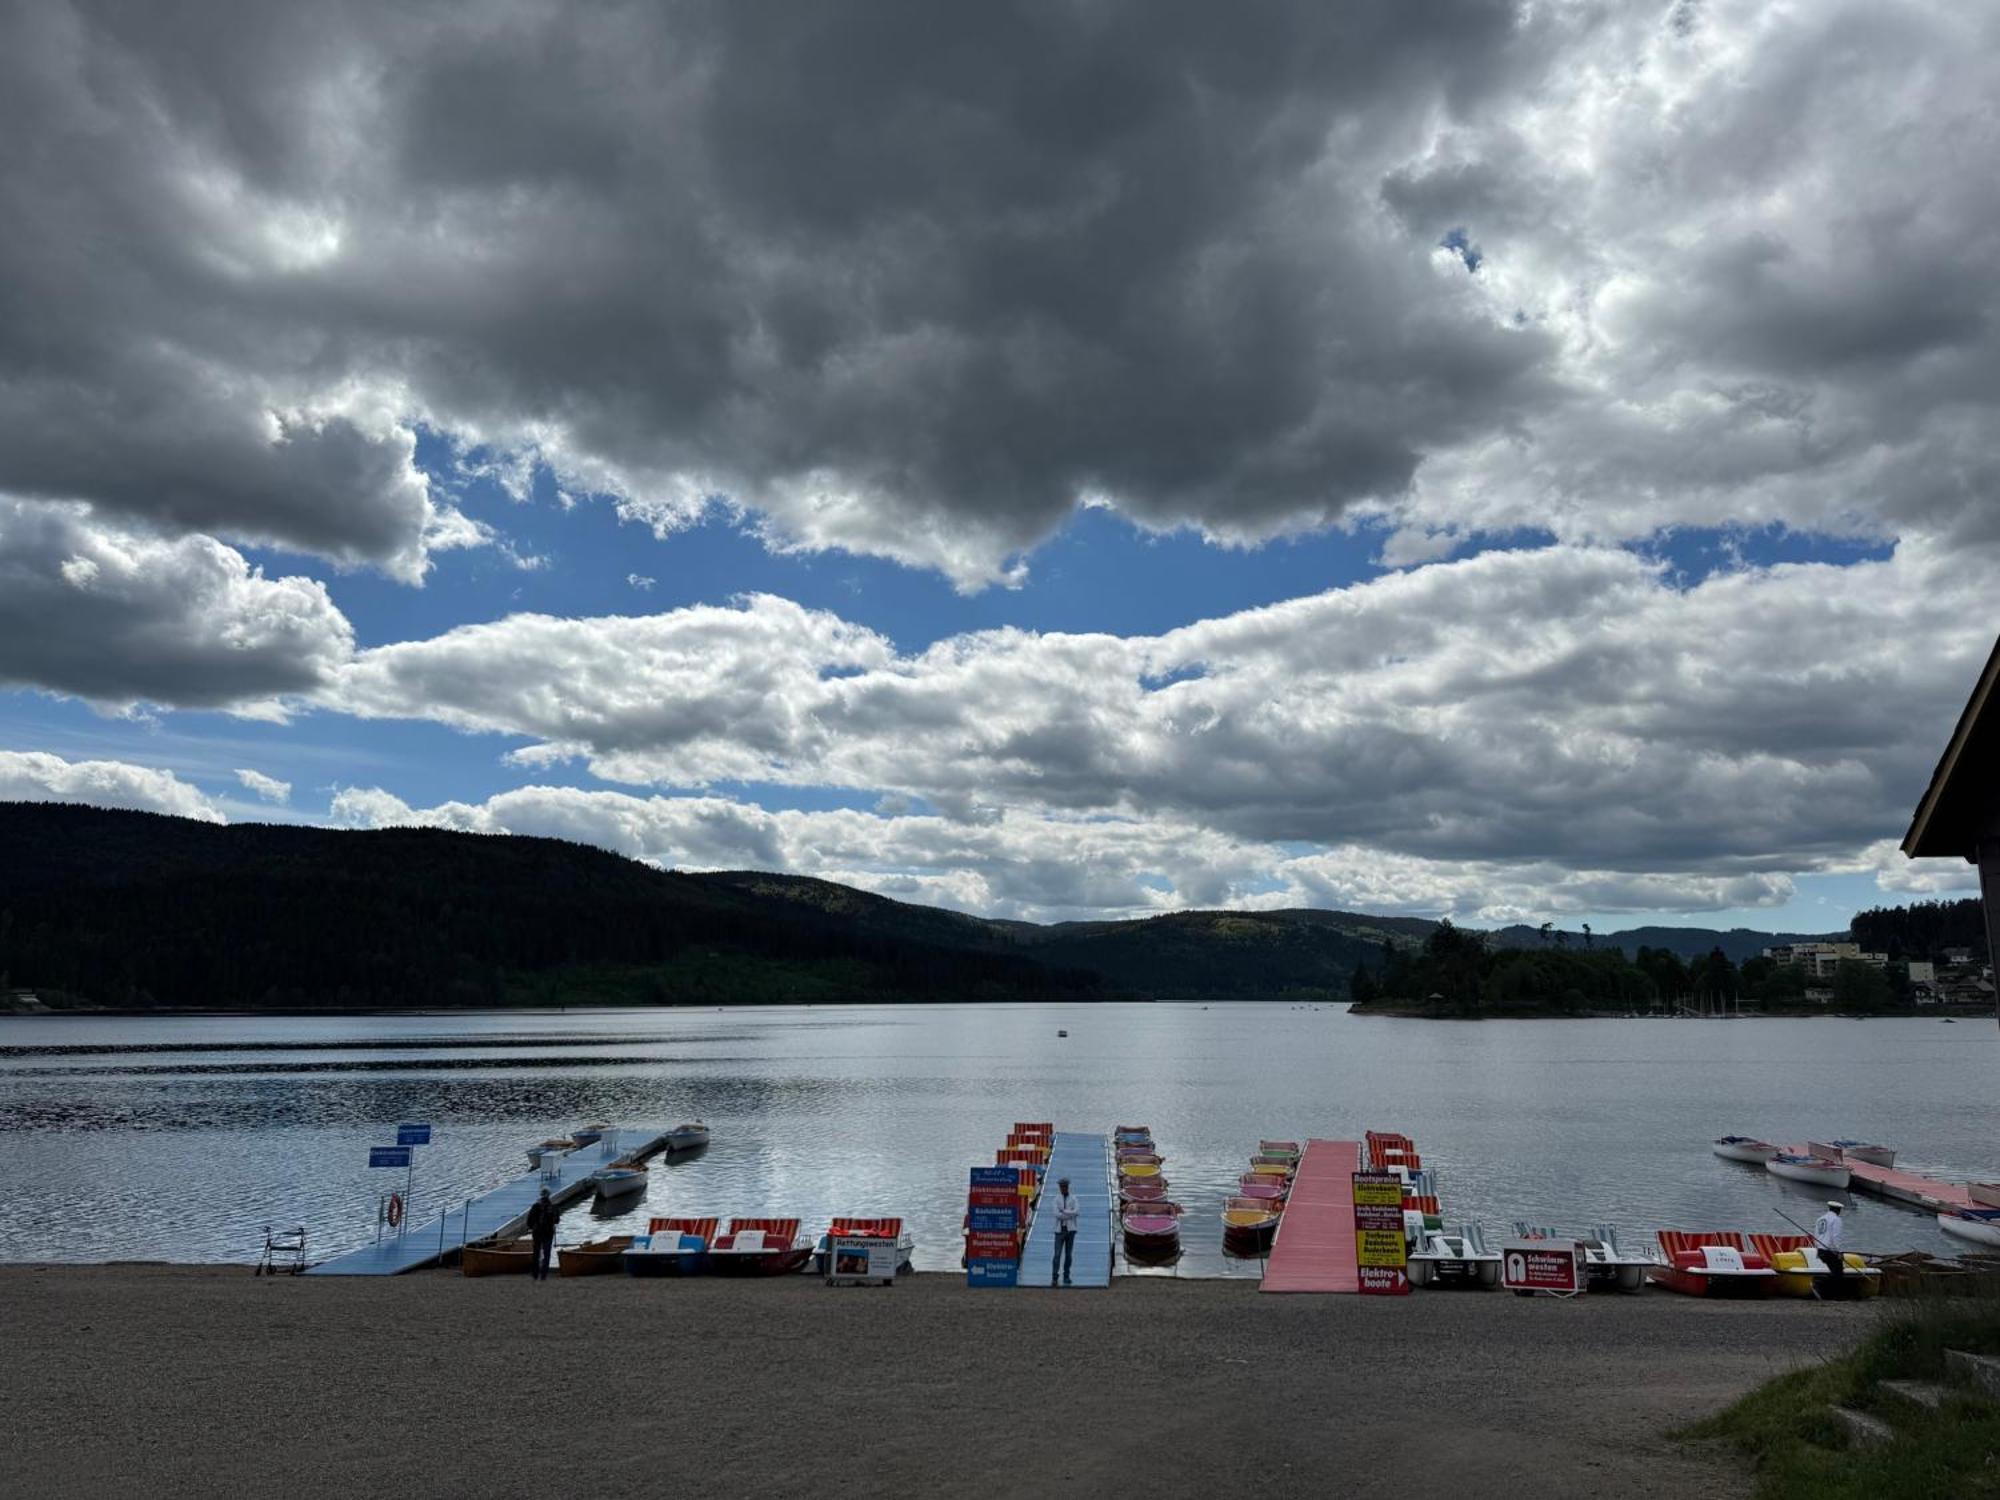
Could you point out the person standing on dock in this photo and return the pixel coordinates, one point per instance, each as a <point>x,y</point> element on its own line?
<point>1826,1229</point>
<point>1068,1212</point>
<point>542,1218</point>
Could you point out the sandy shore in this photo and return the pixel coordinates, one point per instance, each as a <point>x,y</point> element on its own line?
<point>171,1381</point>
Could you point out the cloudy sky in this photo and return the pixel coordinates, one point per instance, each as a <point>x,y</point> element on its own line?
<point>1514,460</point>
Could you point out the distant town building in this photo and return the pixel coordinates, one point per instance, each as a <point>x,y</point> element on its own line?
<point>1819,960</point>
<point>1922,972</point>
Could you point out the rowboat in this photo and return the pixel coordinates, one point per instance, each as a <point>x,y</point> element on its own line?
<point>1861,1151</point>
<point>1261,1190</point>
<point>759,1247</point>
<point>1801,1272</point>
<point>1820,1171</point>
<point>599,1258</point>
<point>556,1146</point>
<point>1278,1148</point>
<point>618,1182</point>
<point>1745,1148</point>
<point>1139,1170</point>
<point>867,1229</point>
<point>507,1258</point>
<point>1711,1264</point>
<point>1283,1166</point>
<point>1979,1225</point>
<point>1247,1225</point>
<point>589,1134</point>
<point>1152,1230</point>
<point>1149,1190</point>
<point>1461,1259</point>
<point>671,1247</point>
<point>686,1137</point>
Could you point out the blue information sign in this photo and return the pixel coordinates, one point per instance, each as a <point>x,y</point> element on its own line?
<point>413,1135</point>
<point>388,1156</point>
<point>992,1272</point>
<point>995,1176</point>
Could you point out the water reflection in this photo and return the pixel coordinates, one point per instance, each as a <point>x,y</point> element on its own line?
<point>178,1139</point>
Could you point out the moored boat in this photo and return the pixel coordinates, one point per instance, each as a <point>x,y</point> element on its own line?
<point>599,1258</point>
<point>501,1258</point>
<point>1261,1189</point>
<point>1152,1190</point>
<point>671,1247</point>
<point>1248,1225</point>
<point>759,1247</point>
<point>1138,1171</point>
<point>1152,1230</point>
<point>589,1135</point>
<point>1279,1148</point>
<point>1711,1264</point>
<point>1861,1151</point>
<point>687,1136</point>
<point>1745,1148</point>
<point>553,1147</point>
<point>1801,1272</point>
<point>618,1182</point>
<point>1441,1258</point>
<point>1979,1225</point>
<point>1819,1171</point>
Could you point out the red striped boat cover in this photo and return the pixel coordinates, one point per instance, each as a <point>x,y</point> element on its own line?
<point>866,1229</point>
<point>1033,1127</point>
<point>774,1229</point>
<point>1768,1245</point>
<point>1685,1241</point>
<point>702,1228</point>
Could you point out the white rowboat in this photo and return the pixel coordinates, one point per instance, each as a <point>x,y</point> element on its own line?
<point>1981,1226</point>
<point>1820,1171</point>
<point>686,1137</point>
<point>1745,1148</point>
<point>617,1182</point>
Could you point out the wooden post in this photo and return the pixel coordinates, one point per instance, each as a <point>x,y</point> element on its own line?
<point>1989,895</point>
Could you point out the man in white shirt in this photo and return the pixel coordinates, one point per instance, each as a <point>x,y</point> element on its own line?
<point>1826,1230</point>
<point>1068,1211</point>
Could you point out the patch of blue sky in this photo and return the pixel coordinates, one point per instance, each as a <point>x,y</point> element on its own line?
<point>1694,554</point>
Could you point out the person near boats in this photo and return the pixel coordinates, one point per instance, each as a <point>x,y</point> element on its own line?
<point>542,1218</point>
<point>1068,1213</point>
<point>1826,1231</point>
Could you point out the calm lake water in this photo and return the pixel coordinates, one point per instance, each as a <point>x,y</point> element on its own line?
<point>179,1139</point>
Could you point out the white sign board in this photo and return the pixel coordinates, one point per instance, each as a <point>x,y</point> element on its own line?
<point>860,1262</point>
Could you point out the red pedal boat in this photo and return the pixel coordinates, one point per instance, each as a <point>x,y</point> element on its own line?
<point>759,1247</point>
<point>1712,1263</point>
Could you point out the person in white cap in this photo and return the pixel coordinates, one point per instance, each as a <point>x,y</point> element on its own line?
<point>1826,1230</point>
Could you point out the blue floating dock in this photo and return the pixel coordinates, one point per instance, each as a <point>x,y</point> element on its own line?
<point>496,1214</point>
<point>1086,1161</point>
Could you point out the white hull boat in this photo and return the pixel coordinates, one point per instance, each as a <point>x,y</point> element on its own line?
<point>1861,1151</point>
<point>619,1182</point>
<point>1615,1266</point>
<point>1818,1171</point>
<point>687,1136</point>
<point>1981,1226</point>
<point>1745,1148</point>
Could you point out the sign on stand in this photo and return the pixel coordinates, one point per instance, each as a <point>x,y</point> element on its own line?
<point>1542,1266</point>
<point>389,1156</point>
<point>1378,1234</point>
<point>413,1135</point>
<point>861,1261</point>
<point>993,1211</point>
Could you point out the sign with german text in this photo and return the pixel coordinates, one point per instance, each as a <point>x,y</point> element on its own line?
<point>1541,1266</point>
<point>388,1156</point>
<point>1378,1234</point>
<point>861,1261</point>
<point>413,1135</point>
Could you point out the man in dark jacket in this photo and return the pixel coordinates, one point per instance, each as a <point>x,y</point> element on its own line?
<point>542,1218</point>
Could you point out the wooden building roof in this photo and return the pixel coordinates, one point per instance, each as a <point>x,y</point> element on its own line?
<point>1962,802</point>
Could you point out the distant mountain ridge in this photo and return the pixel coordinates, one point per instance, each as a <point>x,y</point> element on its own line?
<point>132,909</point>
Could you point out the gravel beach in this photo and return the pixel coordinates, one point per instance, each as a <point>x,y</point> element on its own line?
<point>175,1381</point>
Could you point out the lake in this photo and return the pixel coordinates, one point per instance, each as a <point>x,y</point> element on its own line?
<point>178,1139</point>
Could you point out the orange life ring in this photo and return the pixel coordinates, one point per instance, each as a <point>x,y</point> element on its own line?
<point>395,1209</point>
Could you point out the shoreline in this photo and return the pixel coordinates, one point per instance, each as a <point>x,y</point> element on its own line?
<point>438,1384</point>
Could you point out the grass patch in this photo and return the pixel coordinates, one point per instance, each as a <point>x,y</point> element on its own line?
<point>1801,1452</point>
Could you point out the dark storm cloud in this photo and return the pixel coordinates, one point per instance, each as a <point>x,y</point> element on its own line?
<point>900,278</point>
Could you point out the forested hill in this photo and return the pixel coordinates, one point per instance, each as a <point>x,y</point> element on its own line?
<point>129,909</point>
<point>132,909</point>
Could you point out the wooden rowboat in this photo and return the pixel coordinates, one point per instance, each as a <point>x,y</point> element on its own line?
<point>1248,1225</point>
<point>599,1258</point>
<point>1745,1148</point>
<point>1139,1169</point>
<point>1818,1171</point>
<point>509,1258</point>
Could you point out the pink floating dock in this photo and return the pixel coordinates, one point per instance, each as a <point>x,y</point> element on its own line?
<point>1913,1189</point>
<point>1314,1250</point>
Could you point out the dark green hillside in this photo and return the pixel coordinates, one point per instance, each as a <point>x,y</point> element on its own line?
<point>1204,955</point>
<point>136,909</point>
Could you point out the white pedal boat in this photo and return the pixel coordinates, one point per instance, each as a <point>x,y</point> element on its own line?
<point>1445,1259</point>
<point>1979,1225</point>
